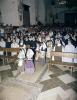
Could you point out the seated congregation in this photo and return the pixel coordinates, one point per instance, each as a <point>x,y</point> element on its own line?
<point>36,43</point>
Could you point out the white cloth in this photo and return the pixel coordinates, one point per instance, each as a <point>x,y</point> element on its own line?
<point>50,33</point>
<point>21,54</point>
<point>70,49</point>
<point>14,45</point>
<point>47,38</point>
<point>29,54</point>
<point>17,40</point>
<point>42,54</point>
<point>20,62</point>
<point>42,50</point>
<point>2,44</point>
<point>39,38</point>
<point>75,60</point>
<point>53,50</point>
<point>21,57</point>
<point>2,32</point>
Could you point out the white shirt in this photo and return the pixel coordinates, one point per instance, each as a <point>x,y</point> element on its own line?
<point>70,49</point>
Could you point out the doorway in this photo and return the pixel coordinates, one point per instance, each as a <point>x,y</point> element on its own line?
<point>26,16</point>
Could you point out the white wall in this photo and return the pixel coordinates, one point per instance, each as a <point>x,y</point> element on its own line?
<point>34,6</point>
<point>31,3</point>
<point>10,14</point>
<point>9,9</point>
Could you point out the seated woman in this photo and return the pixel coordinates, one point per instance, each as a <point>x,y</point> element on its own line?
<point>14,45</point>
<point>29,65</point>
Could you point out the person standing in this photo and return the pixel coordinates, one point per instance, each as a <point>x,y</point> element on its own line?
<point>29,65</point>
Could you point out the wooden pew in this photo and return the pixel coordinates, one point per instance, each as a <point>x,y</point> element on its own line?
<point>11,50</point>
<point>63,54</point>
<point>9,57</point>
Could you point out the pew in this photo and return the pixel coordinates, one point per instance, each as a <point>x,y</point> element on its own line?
<point>9,57</point>
<point>63,54</point>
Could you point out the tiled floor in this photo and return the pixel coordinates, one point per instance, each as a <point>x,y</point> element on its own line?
<point>66,78</point>
<point>55,77</point>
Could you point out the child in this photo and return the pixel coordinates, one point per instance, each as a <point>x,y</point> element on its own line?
<point>29,65</point>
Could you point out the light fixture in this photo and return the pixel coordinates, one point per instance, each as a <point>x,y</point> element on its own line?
<point>62,2</point>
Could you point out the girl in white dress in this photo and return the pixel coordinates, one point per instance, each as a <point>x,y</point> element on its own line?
<point>21,58</point>
<point>29,65</point>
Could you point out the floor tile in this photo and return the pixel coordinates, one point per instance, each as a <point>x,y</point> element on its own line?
<point>34,77</point>
<point>65,86</point>
<point>51,83</point>
<point>66,78</point>
<point>52,94</point>
<point>73,85</point>
<point>72,94</point>
<point>46,76</point>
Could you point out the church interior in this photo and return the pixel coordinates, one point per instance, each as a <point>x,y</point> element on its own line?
<point>38,49</point>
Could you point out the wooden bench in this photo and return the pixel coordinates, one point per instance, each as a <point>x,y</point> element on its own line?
<point>11,50</point>
<point>9,57</point>
<point>63,54</point>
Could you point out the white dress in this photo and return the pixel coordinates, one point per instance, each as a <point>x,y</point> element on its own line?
<point>21,57</point>
<point>29,65</point>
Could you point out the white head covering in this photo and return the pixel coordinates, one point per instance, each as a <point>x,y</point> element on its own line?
<point>21,54</point>
<point>29,54</point>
